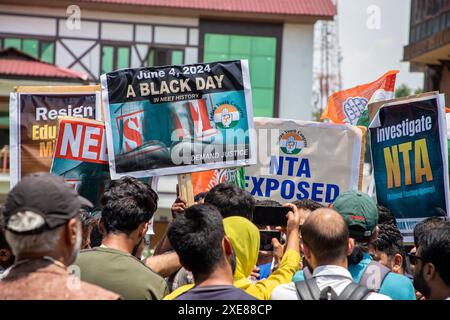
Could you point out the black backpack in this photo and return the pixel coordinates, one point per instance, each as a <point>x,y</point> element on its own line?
<point>308,290</point>
<point>372,278</point>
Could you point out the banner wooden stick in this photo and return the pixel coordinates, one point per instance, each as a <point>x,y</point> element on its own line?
<point>186,189</point>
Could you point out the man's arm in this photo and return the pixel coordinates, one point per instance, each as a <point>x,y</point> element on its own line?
<point>289,264</point>
<point>163,245</point>
<point>164,264</point>
<point>294,219</point>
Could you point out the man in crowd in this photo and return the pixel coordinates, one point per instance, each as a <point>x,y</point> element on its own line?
<point>385,216</point>
<point>432,263</point>
<point>228,198</point>
<point>421,228</point>
<point>268,203</point>
<point>199,197</point>
<point>128,206</point>
<point>96,236</point>
<point>307,204</point>
<point>388,248</point>
<point>6,256</point>
<point>425,226</point>
<point>361,215</point>
<point>198,238</point>
<point>43,229</point>
<point>244,237</point>
<point>87,222</point>
<point>326,244</point>
<point>231,200</point>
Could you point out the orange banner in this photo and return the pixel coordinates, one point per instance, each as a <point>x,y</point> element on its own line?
<point>347,106</point>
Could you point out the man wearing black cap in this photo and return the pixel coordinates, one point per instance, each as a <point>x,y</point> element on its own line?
<point>43,228</point>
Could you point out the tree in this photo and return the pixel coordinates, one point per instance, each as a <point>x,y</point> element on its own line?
<point>404,91</point>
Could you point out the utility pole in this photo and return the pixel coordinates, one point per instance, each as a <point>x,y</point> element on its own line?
<point>327,62</point>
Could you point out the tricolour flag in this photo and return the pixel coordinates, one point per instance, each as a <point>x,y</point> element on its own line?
<point>226,116</point>
<point>347,106</point>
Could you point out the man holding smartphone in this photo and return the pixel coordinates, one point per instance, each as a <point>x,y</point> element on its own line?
<point>244,237</point>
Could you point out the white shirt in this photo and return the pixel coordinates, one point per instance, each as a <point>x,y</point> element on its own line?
<point>338,278</point>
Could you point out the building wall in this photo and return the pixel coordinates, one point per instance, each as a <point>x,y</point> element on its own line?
<point>297,72</point>
<point>437,78</point>
<point>445,83</point>
<point>80,49</point>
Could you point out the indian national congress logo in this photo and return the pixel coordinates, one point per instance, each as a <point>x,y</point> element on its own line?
<point>353,109</point>
<point>227,176</point>
<point>292,142</point>
<point>226,116</point>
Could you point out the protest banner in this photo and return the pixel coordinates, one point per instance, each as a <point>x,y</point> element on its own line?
<point>409,154</point>
<point>447,116</point>
<point>350,106</point>
<point>305,160</point>
<point>178,119</point>
<point>374,107</point>
<point>33,123</point>
<point>81,156</point>
<point>206,180</point>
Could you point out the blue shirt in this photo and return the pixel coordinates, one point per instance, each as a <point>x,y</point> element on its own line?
<point>395,286</point>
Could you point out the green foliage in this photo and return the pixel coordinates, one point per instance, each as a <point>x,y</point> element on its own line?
<point>404,91</point>
<point>316,115</point>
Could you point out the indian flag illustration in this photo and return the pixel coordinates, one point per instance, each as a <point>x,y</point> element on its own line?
<point>292,142</point>
<point>226,116</point>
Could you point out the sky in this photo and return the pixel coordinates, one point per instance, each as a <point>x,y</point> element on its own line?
<point>372,34</point>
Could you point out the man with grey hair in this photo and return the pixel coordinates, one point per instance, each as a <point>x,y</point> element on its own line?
<point>43,229</point>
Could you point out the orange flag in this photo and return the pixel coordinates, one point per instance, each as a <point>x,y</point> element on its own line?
<point>347,106</point>
<point>205,180</point>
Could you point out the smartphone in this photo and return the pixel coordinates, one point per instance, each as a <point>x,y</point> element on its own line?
<point>270,216</point>
<point>266,237</point>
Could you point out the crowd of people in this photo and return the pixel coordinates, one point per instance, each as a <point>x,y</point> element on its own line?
<point>52,246</point>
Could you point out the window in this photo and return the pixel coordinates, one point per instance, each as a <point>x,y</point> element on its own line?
<point>114,57</point>
<point>164,57</point>
<point>261,54</point>
<point>40,49</point>
<point>414,11</point>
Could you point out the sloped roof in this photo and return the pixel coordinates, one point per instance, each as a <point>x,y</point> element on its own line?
<point>19,64</point>
<point>276,7</point>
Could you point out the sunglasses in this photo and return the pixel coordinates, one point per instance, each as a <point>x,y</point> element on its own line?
<point>414,259</point>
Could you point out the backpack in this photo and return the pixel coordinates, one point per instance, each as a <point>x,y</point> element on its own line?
<point>309,290</point>
<point>372,278</point>
<point>374,275</point>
